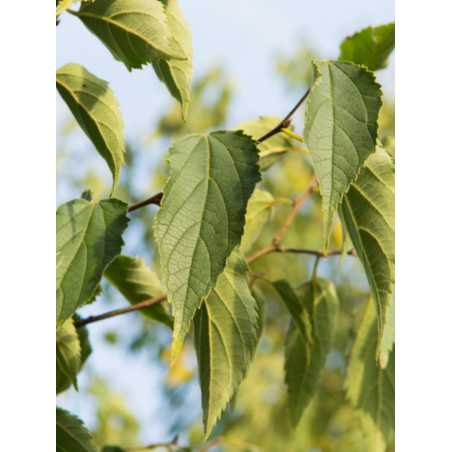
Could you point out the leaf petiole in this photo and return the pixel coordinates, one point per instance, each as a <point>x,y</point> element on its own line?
<point>292,135</point>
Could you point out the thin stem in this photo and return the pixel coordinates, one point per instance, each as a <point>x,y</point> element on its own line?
<point>63,6</point>
<point>142,305</point>
<point>292,135</point>
<point>286,121</point>
<point>296,205</point>
<point>156,199</point>
<point>261,253</point>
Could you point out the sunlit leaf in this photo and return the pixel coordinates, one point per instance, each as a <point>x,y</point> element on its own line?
<point>341,128</point>
<point>202,216</point>
<point>135,31</point>
<point>137,282</point>
<point>71,435</point>
<point>302,379</point>
<point>258,213</point>
<point>370,47</point>
<point>368,211</point>
<point>225,337</point>
<point>95,108</point>
<point>370,388</point>
<point>89,237</point>
<point>68,350</point>
<point>177,74</point>
<point>273,149</point>
<point>62,380</point>
<point>388,340</point>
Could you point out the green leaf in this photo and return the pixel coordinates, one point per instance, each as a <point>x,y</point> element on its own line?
<point>302,379</point>
<point>371,389</point>
<point>202,216</point>
<point>347,244</point>
<point>258,214</point>
<point>368,211</point>
<point>388,143</point>
<point>68,351</point>
<point>341,129</point>
<point>89,237</point>
<point>137,282</point>
<point>225,338</point>
<point>88,195</point>
<point>260,302</point>
<point>97,292</point>
<point>95,108</point>
<point>370,47</point>
<point>135,31</point>
<point>112,449</point>
<point>177,74</point>
<point>71,435</point>
<point>296,308</point>
<point>273,149</point>
<point>388,339</point>
<point>62,380</point>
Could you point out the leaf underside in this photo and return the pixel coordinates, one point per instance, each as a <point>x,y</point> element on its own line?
<point>71,435</point>
<point>258,214</point>
<point>95,108</point>
<point>273,149</point>
<point>89,237</point>
<point>62,380</point>
<point>135,31</point>
<point>370,47</point>
<point>177,74</point>
<point>302,380</point>
<point>225,338</point>
<point>368,211</point>
<point>68,351</point>
<point>341,128</point>
<point>137,282</point>
<point>202,217</point>
<point>371,389</point>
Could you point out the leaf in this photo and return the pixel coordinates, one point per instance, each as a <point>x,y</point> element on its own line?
<point>202,217</point>
<point>89,237</point>
<point>388,339</point>
<point>95,108</point>
<point>368,211</point>
<point>71,435</point>
<point>258,214</point>
<point>112,449</point>
<point>260,301</point>
<point>371,389</point>
<point>370,47</point>
<point>97,292</point>
<point>137,282</point>
<point>347,244</point>
<point>273,149</point>
<point>68,351</point>
<point>177,74</point>
<point>341,129</point>
<point>225,338</point>
<point>296,309</point>
<point>302,379</point>
<point>135,31</point>
<point>62,380</point>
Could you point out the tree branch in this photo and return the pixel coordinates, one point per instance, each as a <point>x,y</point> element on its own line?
<point>157,198</point>
<point>141,305</point>
<point>285,123</point>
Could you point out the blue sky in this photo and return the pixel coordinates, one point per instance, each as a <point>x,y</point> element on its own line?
<point>245,37</point>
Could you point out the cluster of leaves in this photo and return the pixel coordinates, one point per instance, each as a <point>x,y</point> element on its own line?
<point>211,214</point>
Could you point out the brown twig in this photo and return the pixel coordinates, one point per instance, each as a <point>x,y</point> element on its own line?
<point>156,199</point>
<point>285,123</point>
<point>153,301</point>
<point>141,305</point>
<point>155,446</point>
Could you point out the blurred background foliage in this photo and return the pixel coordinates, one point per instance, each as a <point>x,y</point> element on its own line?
<point>261,417</point>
